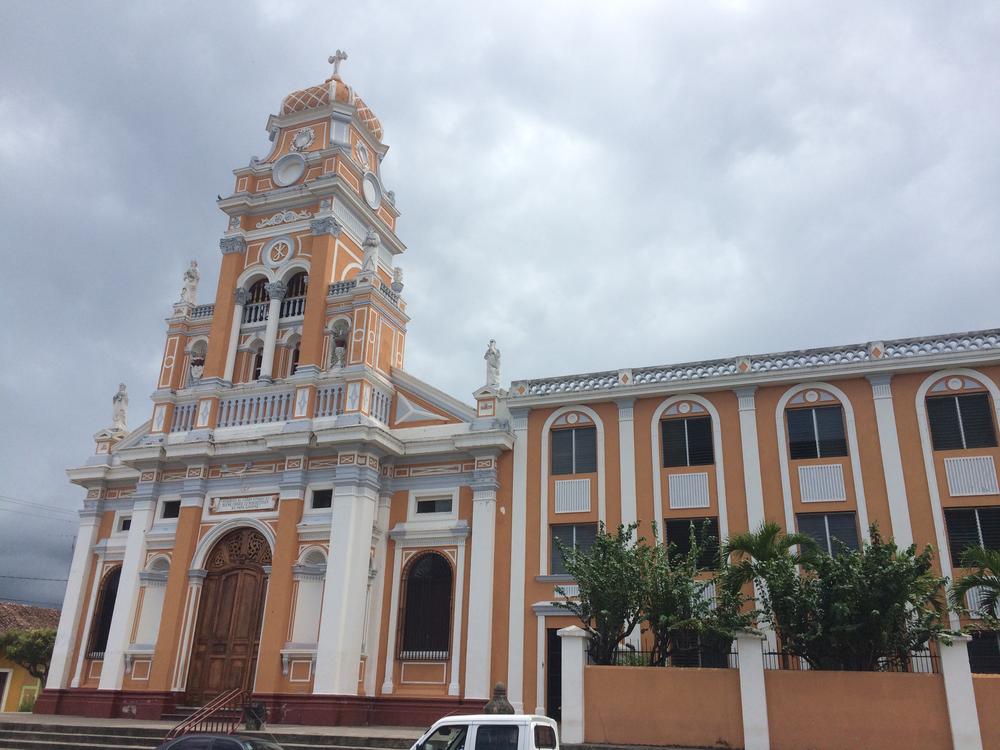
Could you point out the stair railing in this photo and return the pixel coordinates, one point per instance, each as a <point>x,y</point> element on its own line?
<point>221,715</point>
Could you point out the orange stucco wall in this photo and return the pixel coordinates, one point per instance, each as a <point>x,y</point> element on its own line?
<point>987,687</point>
<point>663,706</point>
<point>857,710</point>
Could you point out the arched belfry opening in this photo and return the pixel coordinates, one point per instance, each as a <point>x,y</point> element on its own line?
<point>227,638</point>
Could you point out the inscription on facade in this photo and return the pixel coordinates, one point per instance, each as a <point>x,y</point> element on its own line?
<point>244,503</point>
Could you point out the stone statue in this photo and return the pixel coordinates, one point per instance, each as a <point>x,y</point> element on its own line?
<point>492,358</point>
<point>397,279</point>
<point>371,243</point>
<point>120,405</point>
<point>189,292</point>
<point>339,354</point>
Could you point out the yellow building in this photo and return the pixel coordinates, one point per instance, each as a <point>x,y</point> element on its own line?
<point>17,686</point>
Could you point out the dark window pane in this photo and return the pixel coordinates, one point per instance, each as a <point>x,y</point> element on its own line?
<point>171,508</point>
<point>586,534</point>
<point>545,736</point>
<point>843,527</point>
<point>984,653</point>
<point>586,450</point>
<point>830,428</point>
<point>678,534</point>
<point>942,412</point>
<point>563,533</point>
<point>962,531</point>
<point>562,451</point>
<point>436,505</point>
<point>496,737</point>
<point>989,526</point>
<point>977,421</point>
<point>706,531</point>
<point>322,498</point>
<point>105,610</point>
<point>674,449</point>
<point>221,744</point>
<point>427,610</point>
<point>699,434</point>
<point>814,524</point>
<point>801,433</point>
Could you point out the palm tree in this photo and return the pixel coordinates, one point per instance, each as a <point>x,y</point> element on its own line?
<point>765,544</point>
<point>985,578</point>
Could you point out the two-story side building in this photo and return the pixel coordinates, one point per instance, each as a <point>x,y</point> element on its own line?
<point>303,519</point>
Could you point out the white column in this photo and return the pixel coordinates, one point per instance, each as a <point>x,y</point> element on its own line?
<point>88,621</point>
<point>518,531</point>
<point>377,588</point>
<point>751,456</point>
<point>626,458</point>
<point>341,631</point>
<point>234,334</point>
<point>119,634</point>
<point>960,694</point>
<point>753,697</point>
<point>196,580</point>
<point>456,626</point>
<point>480,637</point>
<point>390,646</point>
<point>276,292</point>
<point>892,462</point>
<point>574,660</point>
<point>72,608</point>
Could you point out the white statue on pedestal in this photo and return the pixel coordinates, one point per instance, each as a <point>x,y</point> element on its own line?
<point>120,406</point>
<point>189,292</point>
<point>492,358</point>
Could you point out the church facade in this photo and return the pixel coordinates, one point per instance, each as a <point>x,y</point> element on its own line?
<point>303,519</point>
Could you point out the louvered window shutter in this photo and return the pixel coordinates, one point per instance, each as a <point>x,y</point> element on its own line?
<point>814,524</point>
<point>674,446</point>
<point>842,526</point>
<point>830,431</point>
<point>564,533</point>
<point>586,450</point>
<point>989,525</point>
<point>963,532</point>
<point>678,534</point>
<point>801,433</point>
<point>942,413</point>
<point>562,451</point>
<point>699,437</point>
<point>586,534</point>
<point>977,421</point>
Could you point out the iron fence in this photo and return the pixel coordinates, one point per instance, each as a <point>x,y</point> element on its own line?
<point>704,657</point>
<point>917,662</point>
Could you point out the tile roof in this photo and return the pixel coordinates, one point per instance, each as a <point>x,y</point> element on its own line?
<point>22,617</point>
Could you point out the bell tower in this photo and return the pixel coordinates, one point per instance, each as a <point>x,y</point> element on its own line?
<point>308,315</point>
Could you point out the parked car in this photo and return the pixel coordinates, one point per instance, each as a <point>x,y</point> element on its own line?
<point>218,742</point>
<point>491,732</point>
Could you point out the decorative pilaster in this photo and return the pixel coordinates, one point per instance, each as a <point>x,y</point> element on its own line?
<point>275,292</point>
<point>240,299</point>
<point>480,638</point>
<point>892,462</point>
<point>119,634</point>
<point>626,458</point>
<point>751,456</point>
<point>341,629</point>
<point>377,581</point>
<point>69,618</point>
<point>518,533</point>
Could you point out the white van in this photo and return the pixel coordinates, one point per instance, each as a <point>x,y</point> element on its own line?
<point>491,732</point>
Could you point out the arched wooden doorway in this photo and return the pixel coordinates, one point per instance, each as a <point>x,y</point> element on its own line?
<point>231,610</point>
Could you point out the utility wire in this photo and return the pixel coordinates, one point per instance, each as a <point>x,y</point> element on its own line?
<point>46,506</point>
<point>35,515</point>
<point>33,578</point>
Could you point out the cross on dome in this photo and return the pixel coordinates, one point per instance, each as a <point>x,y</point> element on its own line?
<point>335,60</point>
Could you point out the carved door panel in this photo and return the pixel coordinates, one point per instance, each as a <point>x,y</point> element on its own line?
<point>224,655</point>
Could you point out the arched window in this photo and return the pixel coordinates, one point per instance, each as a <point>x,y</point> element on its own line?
<point>257,304</point>
<point>198,352</point>
<point>815,422</point>
<point>960,415</point>
<point>294,360</point>
<point>258,361</point>
<point>257,292</point>
<point>427,609</point>
<point>102,615</point>
<point>294,302</point>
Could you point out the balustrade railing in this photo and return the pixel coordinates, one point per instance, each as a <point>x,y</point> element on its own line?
<point>387,291</point>
<point>221,715</point>
<point>381,402</point>
<point>256,312</point>
<point>330,400</point>
<point>201,312</point>
<point>293,306</point>
<point>239,411</point>
<point>338,288</point>
<point>183,417</point>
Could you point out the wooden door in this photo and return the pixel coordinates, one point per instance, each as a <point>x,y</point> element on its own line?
<point>227,639</point>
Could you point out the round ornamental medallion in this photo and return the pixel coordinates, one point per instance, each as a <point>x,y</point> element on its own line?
<point>277,251</point>
<point>303,139</point>
<point>955,384</point>
<point>373,193</point>
<point>288,169</point>
<point>812,397</point>
<point>572,419</point>
<point>684,407</point>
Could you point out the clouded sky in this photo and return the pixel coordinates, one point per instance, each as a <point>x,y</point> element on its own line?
<point>596,185</point>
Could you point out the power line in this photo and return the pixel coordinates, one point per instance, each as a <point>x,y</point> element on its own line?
<point>34,578</point>
<point>34,515</point>
<point>46,506</point>
<point>50,605</point>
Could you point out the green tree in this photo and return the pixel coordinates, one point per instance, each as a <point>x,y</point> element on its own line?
<point>32,649</point>
<point>610,575</point>
<point>865,609</point>
<point>765,544</point>
<point>683,611</point>
<point>986,578</point>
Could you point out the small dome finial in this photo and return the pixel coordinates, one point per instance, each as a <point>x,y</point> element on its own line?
<point>335,60</point>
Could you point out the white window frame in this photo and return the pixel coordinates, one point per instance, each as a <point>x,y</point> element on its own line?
<point>161,506</point>
<point>310,491</point>
<point>6,687</point>
<point>432,494</point>
<point>119,517</point>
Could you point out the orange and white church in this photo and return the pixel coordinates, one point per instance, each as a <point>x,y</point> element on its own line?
<point>300,518</point>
